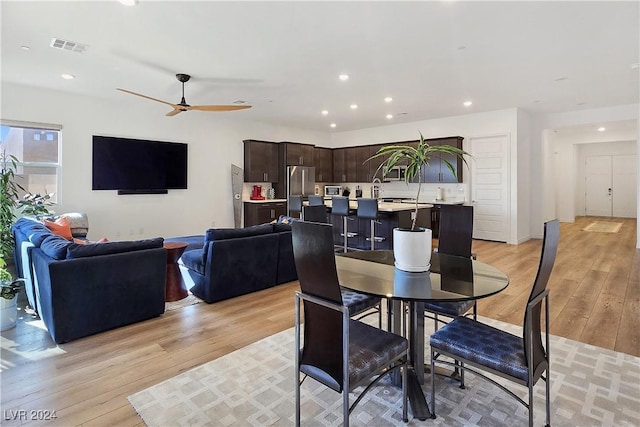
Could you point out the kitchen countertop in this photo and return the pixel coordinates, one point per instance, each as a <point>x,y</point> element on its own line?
<point>385,206</point>
<point>264,201</point>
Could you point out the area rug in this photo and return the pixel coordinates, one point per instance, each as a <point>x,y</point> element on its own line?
<point>604,227</point>
<point>254,386</point>
<point>184,302</point>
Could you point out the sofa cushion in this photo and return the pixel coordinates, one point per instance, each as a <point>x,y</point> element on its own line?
<point>34,230</point>
<point>281,227</point>
<point>193,260</point>
<point>95,249</point>
<point>214,234</point>
<point>56,246</point>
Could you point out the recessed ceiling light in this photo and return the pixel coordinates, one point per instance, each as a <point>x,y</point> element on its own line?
<point>602,129</point>
<point>388,99</point>
<point>467,103</point>
<point>635,66</point>
<point>325,112</point>
<point>354,106</point>
<point>343,77</point>
<point>68,76</point>
<point>129,2</point>
<point>332,125</point>
<point>25,48</point>
<point>389,116</point>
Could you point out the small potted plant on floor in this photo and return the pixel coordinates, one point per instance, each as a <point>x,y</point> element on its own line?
<point>8,298</point>
<point>412,246</point>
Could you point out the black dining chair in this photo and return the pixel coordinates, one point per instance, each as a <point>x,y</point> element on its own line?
<point>294,207</point>
<point>337,351</point>
<point>455,237</point>
<point>475,346</point>
<point>315,213</point>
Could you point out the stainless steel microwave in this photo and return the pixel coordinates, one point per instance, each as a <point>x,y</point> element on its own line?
<point>332,190</point>
<point>396,173</point>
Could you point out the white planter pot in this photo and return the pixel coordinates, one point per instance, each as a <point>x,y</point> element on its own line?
<point>412,249</point>
<point>8,313</point>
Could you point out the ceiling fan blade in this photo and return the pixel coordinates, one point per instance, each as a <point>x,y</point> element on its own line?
<point>218,107</point>
<point>145,96</point>
<point>175,111</point>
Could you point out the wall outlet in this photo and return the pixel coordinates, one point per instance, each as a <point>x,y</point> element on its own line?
<point>141,231</point>
<point>213,223</point>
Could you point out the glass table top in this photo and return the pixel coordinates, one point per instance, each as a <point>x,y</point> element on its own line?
<point>450,278</point>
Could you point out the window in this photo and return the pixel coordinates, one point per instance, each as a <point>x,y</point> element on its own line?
<point>37,149</point>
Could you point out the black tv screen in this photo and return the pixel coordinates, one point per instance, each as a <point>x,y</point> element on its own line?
<point>138,166</point>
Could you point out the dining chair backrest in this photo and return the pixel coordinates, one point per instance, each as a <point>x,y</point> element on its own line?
<point>317,213</point>
<point>455,234</point>
<point>340,205</point>
<point>316,200</point>
<point>532,333</point>
<point>323,328</point>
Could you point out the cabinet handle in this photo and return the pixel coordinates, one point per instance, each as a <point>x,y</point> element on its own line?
<point>344,177</point>
<point>265,176</point>
<point>301,160</point>
<point>273,213</point>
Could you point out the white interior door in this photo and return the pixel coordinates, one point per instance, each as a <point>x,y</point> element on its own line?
<point>610,186</point>
<point>625,192</point>
<point>490,187</point>
<point>598,186</point>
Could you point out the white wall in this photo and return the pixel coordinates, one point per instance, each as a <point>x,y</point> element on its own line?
<point>215,142</point>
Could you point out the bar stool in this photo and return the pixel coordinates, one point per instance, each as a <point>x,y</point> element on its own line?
<point>295,206</point>
<point>316,201</point>
<point>368,209</point>
<point>340,207</point>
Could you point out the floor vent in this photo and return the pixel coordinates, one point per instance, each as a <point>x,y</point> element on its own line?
<point>68,45</point>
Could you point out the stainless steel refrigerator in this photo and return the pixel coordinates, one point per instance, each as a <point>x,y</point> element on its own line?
<point>301,180</point>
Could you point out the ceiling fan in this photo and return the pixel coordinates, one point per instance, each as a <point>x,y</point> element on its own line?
<point>183,106</point>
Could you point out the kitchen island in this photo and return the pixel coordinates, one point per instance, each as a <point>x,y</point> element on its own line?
<point>391,215</point>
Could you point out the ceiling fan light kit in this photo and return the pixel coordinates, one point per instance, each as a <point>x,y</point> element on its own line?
<point>183,106</point>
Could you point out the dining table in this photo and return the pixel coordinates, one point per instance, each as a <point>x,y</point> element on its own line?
<point>449,279</point>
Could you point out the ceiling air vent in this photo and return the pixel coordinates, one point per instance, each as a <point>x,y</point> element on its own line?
<point>239,101</point>
<point>68,45</point>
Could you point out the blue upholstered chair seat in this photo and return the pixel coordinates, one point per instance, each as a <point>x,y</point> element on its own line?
<point>452,309</point>
<point>357,302</point>
<point>193,260</point>
<point>482,344</point>
<point>370,349</point>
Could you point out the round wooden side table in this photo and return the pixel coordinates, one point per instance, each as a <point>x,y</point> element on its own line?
<point>175,288</point>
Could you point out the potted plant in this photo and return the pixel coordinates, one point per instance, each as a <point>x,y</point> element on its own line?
<point>412,246</point>
<point>8,298</point>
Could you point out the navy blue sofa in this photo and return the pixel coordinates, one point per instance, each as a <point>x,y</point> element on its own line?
<point>80,290</point>
<point>228,262</point>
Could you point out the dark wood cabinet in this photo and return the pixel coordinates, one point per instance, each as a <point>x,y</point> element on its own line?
<point>363,173</point>
<point>296,154</point>
<point>438,171</point>
<point>339,165</point>
<point>323,162</point>
<point>260,161</point>
<point>261,213</point>
<point>349,166</point>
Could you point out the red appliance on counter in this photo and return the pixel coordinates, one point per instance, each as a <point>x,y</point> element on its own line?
<point>256,194</point>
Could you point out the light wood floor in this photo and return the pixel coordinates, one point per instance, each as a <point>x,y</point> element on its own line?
<point>595,297</point>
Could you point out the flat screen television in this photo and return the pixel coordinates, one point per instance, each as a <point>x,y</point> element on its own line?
<point>135,166</point>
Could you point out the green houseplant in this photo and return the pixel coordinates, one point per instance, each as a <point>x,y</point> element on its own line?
<point>412,246</point>
<point>8,199</point>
